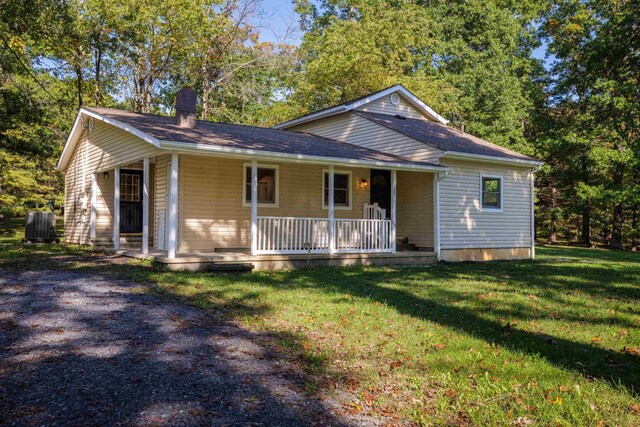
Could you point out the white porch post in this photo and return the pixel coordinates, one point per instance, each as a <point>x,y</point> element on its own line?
<point>254,207</point>
<point>533,221</point>
<point>332,237</point>
<point>145,206</point>
<point>436,214</point>
<point>173,208</point>
<point>94,190</point>
<point>116,208</point>
<point>393,210</point>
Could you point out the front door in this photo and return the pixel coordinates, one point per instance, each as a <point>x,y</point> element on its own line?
<point>381,189</point>
<point>130,201</point>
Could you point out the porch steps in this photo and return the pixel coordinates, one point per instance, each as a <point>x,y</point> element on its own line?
<point>131,241</point>
<point>126,242</point>
<point>402,244</point>
<point>231,267</point>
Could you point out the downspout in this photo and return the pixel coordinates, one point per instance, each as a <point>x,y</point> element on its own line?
<point>533,222</point>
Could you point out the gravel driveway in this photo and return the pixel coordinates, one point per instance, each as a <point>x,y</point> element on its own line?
<point>82,349</point>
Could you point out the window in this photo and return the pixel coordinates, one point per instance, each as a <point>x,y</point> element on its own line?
<point>342,190</point>
<point>491,188</point>
<point>267,186</point>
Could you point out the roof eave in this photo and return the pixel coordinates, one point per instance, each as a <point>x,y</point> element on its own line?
<point>294,158</point>
<point>74,135</point>
<point>492,159</point>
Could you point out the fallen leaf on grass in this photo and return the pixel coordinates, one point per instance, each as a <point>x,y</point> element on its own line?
<point>368,398</point>
<point>522,422</point>
<point>631,350</point>
<point>353,408</point>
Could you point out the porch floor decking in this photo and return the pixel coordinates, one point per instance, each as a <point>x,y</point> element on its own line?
<point>209,261</point>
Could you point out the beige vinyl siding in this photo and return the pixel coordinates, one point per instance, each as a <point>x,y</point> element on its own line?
<point>211,211</point>
<point>384,106</point>
<point>77,196</point>
<point>463,224</point>
<point>160,193</point>
<point>104,206</point>
<point>414,202</point>
<point>351,128</point>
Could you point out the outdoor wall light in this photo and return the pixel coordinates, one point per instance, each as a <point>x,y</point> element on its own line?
<point>106,175</point>
<point>363,184</point>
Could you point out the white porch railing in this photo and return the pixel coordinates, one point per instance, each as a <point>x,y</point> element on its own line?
<point>373,211</point>
<point>294,235</point>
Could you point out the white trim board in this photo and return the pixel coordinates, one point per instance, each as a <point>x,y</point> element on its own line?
<point>244,153</point>
<point>455,155</point>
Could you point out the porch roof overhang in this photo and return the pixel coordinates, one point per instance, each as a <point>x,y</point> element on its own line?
<point>239,141</point>
<point>238,153</point>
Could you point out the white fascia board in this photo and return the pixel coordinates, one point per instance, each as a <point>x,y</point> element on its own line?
<point>128,128</point>
<point>76,131</point>
<point>243,153</point>
<point>348,107</point>
<point>492,159</point>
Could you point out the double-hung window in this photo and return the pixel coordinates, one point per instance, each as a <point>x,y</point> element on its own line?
<point>491,193</point>
<point>342,189</point>
<point>267,186</point>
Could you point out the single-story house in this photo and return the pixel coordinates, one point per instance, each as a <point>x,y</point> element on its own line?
<point>381,179</point>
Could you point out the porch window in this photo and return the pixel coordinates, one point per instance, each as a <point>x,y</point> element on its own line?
<point>491,188</point>
<point>342,187</point>
<point>267,185</point>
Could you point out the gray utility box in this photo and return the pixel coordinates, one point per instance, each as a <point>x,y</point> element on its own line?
<point>41,227</point>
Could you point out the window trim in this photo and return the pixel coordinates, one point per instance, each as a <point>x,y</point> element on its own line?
<point>244,185</point>
<point>325,204</point>
<point>491,209</point>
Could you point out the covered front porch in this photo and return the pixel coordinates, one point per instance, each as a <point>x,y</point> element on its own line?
<point>202,212</point>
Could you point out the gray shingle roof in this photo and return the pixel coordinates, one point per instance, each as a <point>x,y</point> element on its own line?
<point>440,136</point>
<point>249,138</point>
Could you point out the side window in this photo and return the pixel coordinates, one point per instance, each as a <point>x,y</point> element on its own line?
<point>491,193</point>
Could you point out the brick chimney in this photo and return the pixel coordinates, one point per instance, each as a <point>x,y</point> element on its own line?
<point>186,102</point>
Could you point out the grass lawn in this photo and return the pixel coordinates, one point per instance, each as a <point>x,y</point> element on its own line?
<point>554,341</point>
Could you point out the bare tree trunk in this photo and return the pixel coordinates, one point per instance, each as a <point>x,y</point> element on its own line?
<point>553,229</point>
<point>634,225</point>
<point>80,84</point>
<point>585,235</point>
<point>618,211</point>
<point>98,62</point>
<point>616,227</point>
<point>147,95</point>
